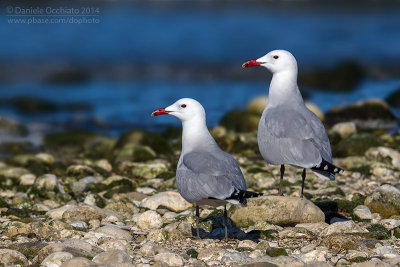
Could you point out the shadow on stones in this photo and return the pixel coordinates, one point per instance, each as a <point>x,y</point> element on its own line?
<point>331,211</point>
<point>218,230</point>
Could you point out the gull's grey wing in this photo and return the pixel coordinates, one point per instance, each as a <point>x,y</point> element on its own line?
<point>293,137</point>
<point>202,175</point>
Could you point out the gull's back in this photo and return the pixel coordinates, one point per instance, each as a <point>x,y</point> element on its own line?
<point>292,134</point>
<point>203,174</point>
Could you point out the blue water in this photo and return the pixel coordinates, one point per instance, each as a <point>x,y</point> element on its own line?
<point>190,36</point>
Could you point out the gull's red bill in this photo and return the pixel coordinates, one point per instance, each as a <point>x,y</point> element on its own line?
<point>251,63</point>
<point>158,112</point>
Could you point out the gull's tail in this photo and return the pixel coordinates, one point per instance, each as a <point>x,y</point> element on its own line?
<point>326,170</point>
<point>241,196</point>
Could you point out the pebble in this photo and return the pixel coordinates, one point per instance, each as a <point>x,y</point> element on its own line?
<point>56,259</point>
<point>171,200</point>
<point>171,259</point>
<point>116,232</point>
<point>363,212</point>
<point>112,257</point>
<point>149,220</point>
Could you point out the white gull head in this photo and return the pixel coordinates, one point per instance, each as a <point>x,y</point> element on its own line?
<point>275,61</point>
<point>185,109</point>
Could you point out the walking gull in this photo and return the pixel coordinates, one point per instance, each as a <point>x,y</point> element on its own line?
<point>205,174</point>
<point>288,132</point>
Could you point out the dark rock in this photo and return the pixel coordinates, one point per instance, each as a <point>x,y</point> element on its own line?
<point>375,111</point>
<point>240,121</point>
<point>394,98</point>
<point>356,145</point>
<point>68,76</point>
<point>68,143</point>
<point>157,142</point>
<point>276,252</point>
<point>344,77</point>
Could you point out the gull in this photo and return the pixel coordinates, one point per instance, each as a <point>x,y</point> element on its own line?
<point>205,174</point>
<point>288,132</point>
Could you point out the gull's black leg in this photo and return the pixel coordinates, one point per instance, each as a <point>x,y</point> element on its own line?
<point>197,221</point>
<point>303,176</point>
<point>281,182</point>
<point>226,223</point>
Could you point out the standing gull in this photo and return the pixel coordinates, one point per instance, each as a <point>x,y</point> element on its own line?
<point>205,174</point>
<point>288,132</point>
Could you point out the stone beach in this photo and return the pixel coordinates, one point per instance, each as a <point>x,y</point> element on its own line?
<point>83,199</point>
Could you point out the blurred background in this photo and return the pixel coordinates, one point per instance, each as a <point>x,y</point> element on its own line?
<point>106,71</point>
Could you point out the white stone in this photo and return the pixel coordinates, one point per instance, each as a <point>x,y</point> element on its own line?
<point>171,200</point>
<point>116,232</point>
<point>27,179</point>
<point>342,227</point>
<point>344,129</point>
<point>149,220</point>
<point>363,212</point>
<point>386,251</point>
<point>390,223</point>
<point>171,259</point>
<point>56,259</point>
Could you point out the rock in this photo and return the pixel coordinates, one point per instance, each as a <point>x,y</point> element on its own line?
<point>45,158</point>
<point>77,262</point>
<point>149,220</point>
<point>257,105</point>
<point>12,257</point>
<point>341,243</point>
<point>115,231</point>
<point>158,143</point>
<point>67,143</point>
<point>210,254</point>
<point>276,252</point>
<point>240,121</point>
<point>362,212</point>
<point>344,129</point>
<point>345,76</point>
<point>150,249</point>
<point>356,145</point>
<point>278,210</point>
<point>83,213</point>
<point>393,98</point>
<point>46,185</point>
<point>40,229</point>
<point>27,179</point>
<point>80,171</point>
<point>104,165</point>
<point>107,244</point>
<point>171,259</point>
<point>148,170</point>
<point>390,223</point>
<point>112,257</point>
<point>386,251</point>
<point>385,200</point>
<point>136,153</point>
<point>177,230</point>
<point>283,261</point>
<point>12,172</point>
<point>57,213</point>
<point>56,259</point>
<point>342,227</point>
<point>76,251</point>
<point>371,263</point>
<point>319,254</point>
<point>384,154</point>
<point>316,228</point>
<point>366,114</point>
<point>80,225</point>
<point>124,209</point>
<point>171,200</point>
<point>234,257</point>
<point>90,249</point>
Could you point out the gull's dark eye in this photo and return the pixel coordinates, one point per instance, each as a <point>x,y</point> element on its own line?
<point>276,57</point>
<point>183,106</point>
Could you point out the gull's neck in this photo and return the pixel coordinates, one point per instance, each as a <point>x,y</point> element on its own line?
<point>284,90</point>
<point>195,135</point>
